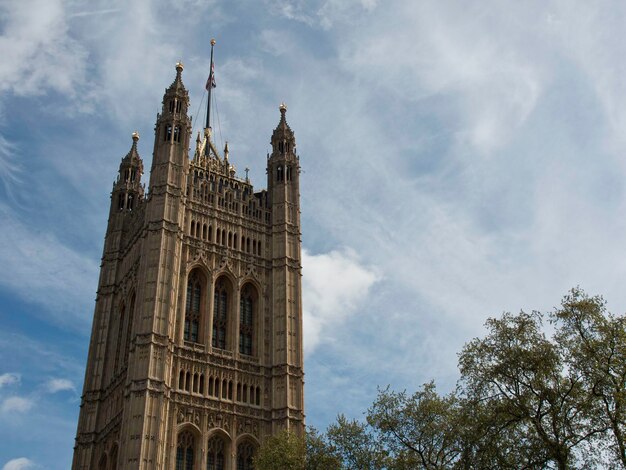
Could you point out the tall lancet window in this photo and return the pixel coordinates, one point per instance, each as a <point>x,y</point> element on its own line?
<point>246,317</point>
<point>220,314</point>
<point>245,453</point>
<point>215,454</point>
<point>193,308</point>
<point>185,451</point>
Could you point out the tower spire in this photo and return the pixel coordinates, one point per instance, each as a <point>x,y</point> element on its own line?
<point>210,84</point>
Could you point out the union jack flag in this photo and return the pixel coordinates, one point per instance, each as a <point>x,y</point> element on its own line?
<point>210,82</point>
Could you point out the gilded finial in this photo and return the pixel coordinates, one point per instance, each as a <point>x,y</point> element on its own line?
<point>212,42</point>
<point>282,107</point>
<point>135,136</point>
<point>179,65</point>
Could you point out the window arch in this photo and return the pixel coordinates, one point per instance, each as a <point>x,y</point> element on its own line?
<point>245,454</point>
<point>120,331</point>
<point>113,458</point>
<point>194,306</point>
<point>220,313</point>
<point>129,329</point>
<point>215,454</point>
<point>247,306</point>
<point>185,451</point>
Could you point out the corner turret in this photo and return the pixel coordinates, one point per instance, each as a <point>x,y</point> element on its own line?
<point>127,190</point>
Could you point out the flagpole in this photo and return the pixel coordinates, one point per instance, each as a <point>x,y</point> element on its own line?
<point>210,87</point>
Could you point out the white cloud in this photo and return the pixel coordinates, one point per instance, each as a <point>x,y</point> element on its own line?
<point>334,286</point>
<point>9,168</point>
<point>37,51</point>
<point>16,405</point>
<point>59,385</point>
<point>9,379</point>
<point>21,463</point>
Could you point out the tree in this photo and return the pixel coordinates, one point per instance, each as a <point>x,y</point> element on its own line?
<point>356,445</point>
<point>283,451</point>
<point>320,454</point>
<point>422,430</point>
<point>594,345</point>
<point>519,375</point>
<point>288,451</point>
<point>525,400</point>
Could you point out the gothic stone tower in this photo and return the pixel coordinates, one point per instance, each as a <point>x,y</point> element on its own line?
<point>196,347</point>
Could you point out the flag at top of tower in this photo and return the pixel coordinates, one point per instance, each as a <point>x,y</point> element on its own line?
<point>210,82</point>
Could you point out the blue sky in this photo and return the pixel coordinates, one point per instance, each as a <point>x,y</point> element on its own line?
<point>459,160</point>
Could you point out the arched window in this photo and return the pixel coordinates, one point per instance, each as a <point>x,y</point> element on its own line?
<point>245,453</point>
<point>246,319</point>
<point>279,173</point>
<point>120,332</point>
<point>185,451</point>
<point>113,459</point>
<point>168,132</point>
<point>220,314</point>
<point>193,308</point>
<point>215,454</point>
<point>129,329</point>
<point>177,134</point>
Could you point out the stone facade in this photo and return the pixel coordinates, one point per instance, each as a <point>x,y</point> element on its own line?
<point>196,347</point>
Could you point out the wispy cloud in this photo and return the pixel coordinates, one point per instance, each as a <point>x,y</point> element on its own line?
<point>16,404</point>
<point>9,378</point>
<point>21,463</point>
<point>59,385</point>
<point>41,269</point>
<point>38,51</point>
<point>106,11</point>
<point>9,167</point>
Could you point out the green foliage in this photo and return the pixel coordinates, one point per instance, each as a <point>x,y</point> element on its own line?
<point>420,431</point>
<point>356,445</point>
<point>593,344</point>
<point>284,451</point>
<point>287,451</point>
<point>525,400</point>
<point>320,454</point>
